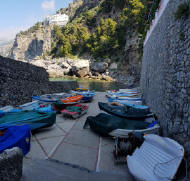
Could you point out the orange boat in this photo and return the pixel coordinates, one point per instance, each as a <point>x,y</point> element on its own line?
<point>72,99</point>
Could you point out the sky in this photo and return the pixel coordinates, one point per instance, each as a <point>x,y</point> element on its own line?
<point>17,15</point>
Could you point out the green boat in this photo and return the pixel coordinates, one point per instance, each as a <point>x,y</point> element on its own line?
<point>108,125</point>
<point>59,105</point>
<point>128,112</point>
<point>35,119</point>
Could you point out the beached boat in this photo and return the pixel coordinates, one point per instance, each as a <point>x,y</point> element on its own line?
<point>51,98</point>
<point>157,159</point>
<point>36,105</point>
<point>44,98</point>
<point>125,98</point>
<point>15,136</point>
<point>111,94</point>
<point>81,89</point>
<point>35,119</point>
<point>133,90</point>
<point>6,108</point>
<point>83,92</point>
<point>72,99</point>
<point>75,111</point>
<point>87,95</point>
<point>30,105</point>
<point>125,102</point>
<point>105,124</point>
<point>59,105</point>
<point>131,112</point>
<point>87,98</point>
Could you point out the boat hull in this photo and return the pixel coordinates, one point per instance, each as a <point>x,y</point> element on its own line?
<point>125,111</point>
<point>105,124</point>
<point>16,136</point>
<point>35,119</point>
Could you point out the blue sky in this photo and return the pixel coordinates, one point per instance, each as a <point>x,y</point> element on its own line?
<point>16,15</point>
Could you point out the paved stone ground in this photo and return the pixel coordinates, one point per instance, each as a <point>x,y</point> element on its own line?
<point>68,142</point>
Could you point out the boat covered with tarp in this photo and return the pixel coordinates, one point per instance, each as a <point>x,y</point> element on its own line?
<point>35,119</point>
<point>15,136</point>
<point>75,111</point>
<point>126,111</point>
<point>105,124</point>
<point>157,159</point>
<point>59,105</point>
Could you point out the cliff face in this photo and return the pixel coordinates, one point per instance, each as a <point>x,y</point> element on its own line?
<point>5,48</point>
<point>31,44</point>
<point>71,9</point>
<point>124,65</point>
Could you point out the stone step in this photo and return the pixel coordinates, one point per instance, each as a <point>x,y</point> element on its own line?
<point>52,170</point>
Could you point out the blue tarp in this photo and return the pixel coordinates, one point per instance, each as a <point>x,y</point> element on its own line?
<point>16,136</point>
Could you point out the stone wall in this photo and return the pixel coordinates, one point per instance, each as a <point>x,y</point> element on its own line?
<point>165,76</point>
<point>11,162</point>
<point>19,81</point>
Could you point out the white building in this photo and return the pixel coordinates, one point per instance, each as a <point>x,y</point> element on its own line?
<point>56,19</point>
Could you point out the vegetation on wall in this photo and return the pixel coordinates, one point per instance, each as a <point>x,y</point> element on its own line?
<point>183,10</point>
<point>101,31</point>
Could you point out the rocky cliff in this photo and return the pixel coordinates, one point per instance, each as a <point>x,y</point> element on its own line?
<point>5,48</point>
<point>121,47</point>
<point>32,43</point>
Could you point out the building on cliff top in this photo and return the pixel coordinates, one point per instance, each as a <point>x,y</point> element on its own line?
<point>56,19</point>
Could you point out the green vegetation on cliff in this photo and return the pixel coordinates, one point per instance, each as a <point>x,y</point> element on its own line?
<point>101,30</point>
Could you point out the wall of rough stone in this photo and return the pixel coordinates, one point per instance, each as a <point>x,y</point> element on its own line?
<point>165,76</point>
<point>19,81</point>
<point>11,162</point>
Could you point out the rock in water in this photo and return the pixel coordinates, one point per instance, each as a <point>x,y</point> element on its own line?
<point>11,162</point>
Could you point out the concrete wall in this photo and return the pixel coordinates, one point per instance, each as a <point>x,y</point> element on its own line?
<point>19,81</point>
<point>165,76</point>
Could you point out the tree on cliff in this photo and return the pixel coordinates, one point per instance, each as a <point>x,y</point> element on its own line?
<point>101,30</point>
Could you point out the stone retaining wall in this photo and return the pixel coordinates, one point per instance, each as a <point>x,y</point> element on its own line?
<point>165,76</point>
<point>11,162</point>
<point>19,81</point>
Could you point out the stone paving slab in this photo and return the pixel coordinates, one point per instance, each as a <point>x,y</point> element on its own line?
<point>77,155</point>
<point>68,142</point>
<point>84,138</point>
<point>36,151</point>
<point>49,170</point>
<point>53,131</point>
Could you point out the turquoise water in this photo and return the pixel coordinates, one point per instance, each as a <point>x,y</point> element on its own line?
<point>96,85</point>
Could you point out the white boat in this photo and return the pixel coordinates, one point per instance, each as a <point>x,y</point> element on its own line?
<point>126,102</point>
<point>30,105</point>
<point>158,159</point>
<point>6,108</point>
<point>126,97</point>
<point>134,90</point>
<point>123,133</point>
